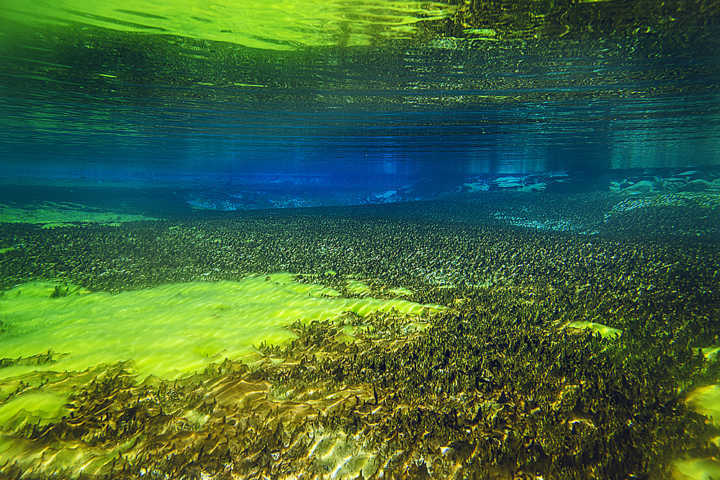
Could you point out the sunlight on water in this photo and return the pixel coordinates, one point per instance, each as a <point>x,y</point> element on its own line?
<point>258,24</point>
<point>541,179</point>
<point>57,339</point>
<point>176,329</point>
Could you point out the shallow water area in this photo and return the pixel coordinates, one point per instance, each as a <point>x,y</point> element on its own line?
<point>168,331</point>
<point>52,214</point>
<point>68,351</point>
<point>371,239</point>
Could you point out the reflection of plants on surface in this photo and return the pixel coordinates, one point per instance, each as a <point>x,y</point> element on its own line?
<point>252,23</point>
<point>558,18</point>
<point>314,23</point>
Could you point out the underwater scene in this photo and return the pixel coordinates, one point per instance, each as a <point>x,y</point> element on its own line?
<point>367,239</point>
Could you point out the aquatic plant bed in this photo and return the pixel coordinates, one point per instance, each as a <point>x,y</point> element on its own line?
<point>371,342</point>
<point>54,214</point>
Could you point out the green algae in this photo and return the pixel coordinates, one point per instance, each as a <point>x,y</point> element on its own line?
<point>706,400</point>
<point>400,292</point>
<point>7,249</point>
<point>358,288</point>
<point>168,331</point>
<point>603,330</point>
<point>711,353</point>
<point>61,214</point>
<point>34,407</point>
<point>697,469</point>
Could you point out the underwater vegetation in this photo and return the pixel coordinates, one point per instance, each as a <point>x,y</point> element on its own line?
<point>528,287</point>
<point>53,214</point>
<point>554,354</point>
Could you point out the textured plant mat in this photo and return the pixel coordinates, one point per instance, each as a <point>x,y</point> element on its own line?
<point>408,348</point>
<point>60,338</point>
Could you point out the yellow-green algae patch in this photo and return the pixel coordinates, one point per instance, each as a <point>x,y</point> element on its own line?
<point>168,331</point>
<point>57,214</point>
<point>400,292</point>
<point>360,288</point>
<point>711,352</point>
<point>7,249</point>
<point>706,400</point>
<point>696,469</point>
<point>34,407</point>
<point>356,287</point>
<point>602,330</point>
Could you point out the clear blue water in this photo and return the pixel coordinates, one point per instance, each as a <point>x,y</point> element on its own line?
<point>89,105</point>
<point>185,187</point>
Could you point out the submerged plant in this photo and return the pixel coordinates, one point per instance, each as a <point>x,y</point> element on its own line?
<point>493,386</point>
<point>60,292</point>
